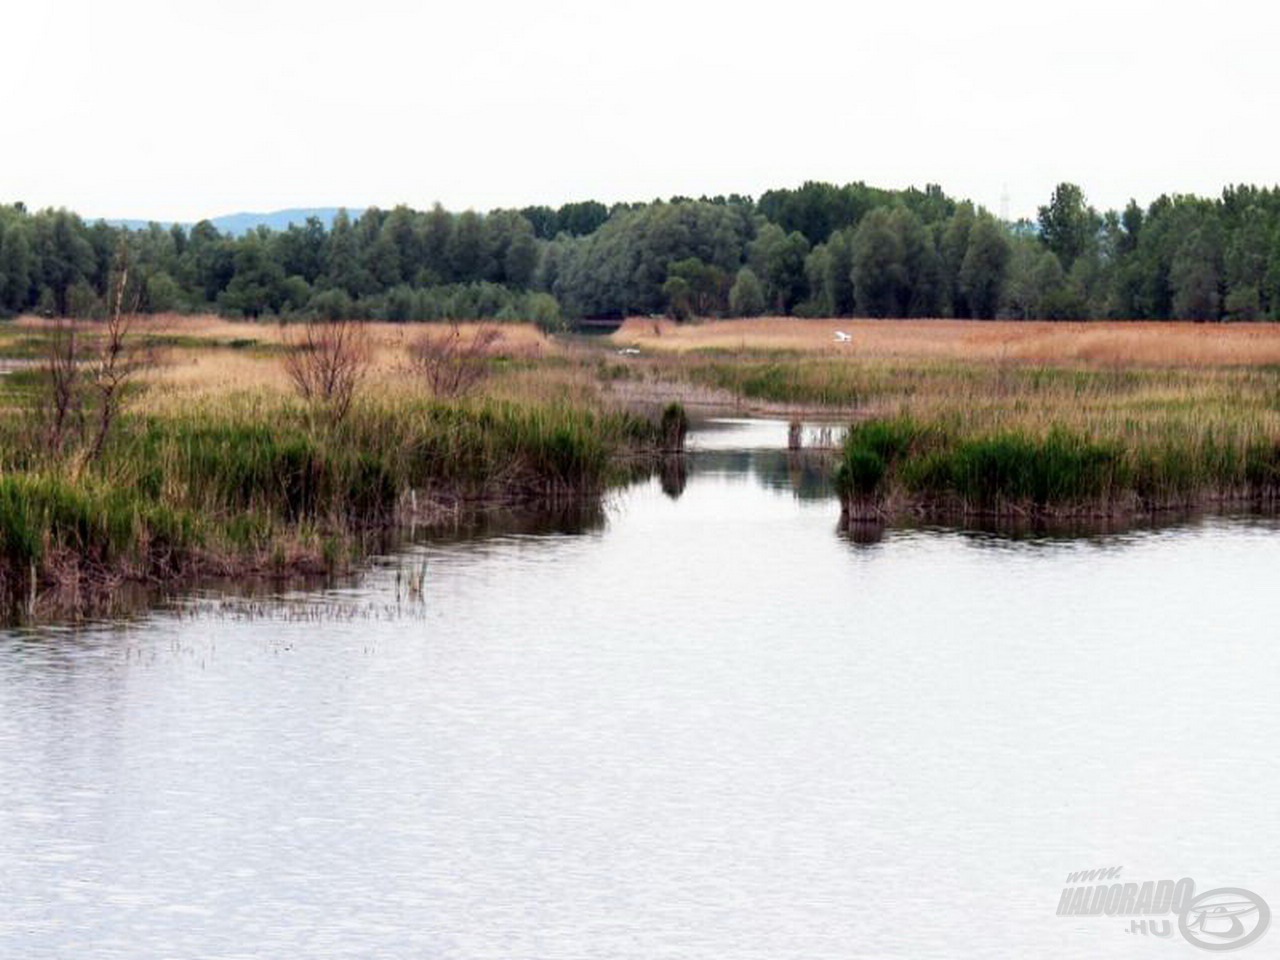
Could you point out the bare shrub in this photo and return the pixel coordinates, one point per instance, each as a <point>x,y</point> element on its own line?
<point>117,358</point>
<point>88,367</point>
<point>64,400</point>
<point>327,361</point>
<point>452,363</point>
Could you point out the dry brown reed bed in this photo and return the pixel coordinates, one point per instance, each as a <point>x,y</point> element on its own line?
<point>524,337</point>
<point>203,367</point>
<point>1104,343</point>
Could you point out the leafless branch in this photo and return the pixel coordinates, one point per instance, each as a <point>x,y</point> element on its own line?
<point>64,401</point>
<point>327,361</point>
<point>116,360</point>
<point>452,364</point>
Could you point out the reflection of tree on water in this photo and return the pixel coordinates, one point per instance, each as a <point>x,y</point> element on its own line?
<point>864,533</point>
<point>568,517</point>
<point>809,474</point>
<point>674,476</point>
<point>1002,533</point>
<point>805,473</point>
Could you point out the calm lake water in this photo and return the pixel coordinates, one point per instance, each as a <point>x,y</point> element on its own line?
<point>693,726</point>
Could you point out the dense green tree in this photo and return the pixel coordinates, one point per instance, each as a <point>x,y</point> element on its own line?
<point>923,265</point>
<point>621,268</point>
<point>881,283</point>
<point>1248,257</point>
<point>382,262</point>
<point>816,267</point>
<point>746,297</point>
<point>256,287</point>
<point>63,254</point>
<point>704,286</point>
<point>304,250</point>
<point>1243,303</point>
<point>345,271</point>
<point>468,253</point>
<point>403,230</point>
<point>151,245</point>
<point>512,251</point>
<point>820,249</point>
<point>1022,294</point>
<point>1195,277</point>
<point>1067,223</point>
<point>1131,223</point>
<point>778,259</point>
<point>955,244</point>
<point>162,294</point>
<point>679,296</point>
<point>1175,230</point>
<point>581,218</point>
<point>1271,285</point>
<point>1057,299</point>
<point>1126,300</point>
<point>983,272</point>
<point>837,278</point>
<point>83,302</point>
<point>543,220</point>
<point>437,235</point>
<point>15,267</point>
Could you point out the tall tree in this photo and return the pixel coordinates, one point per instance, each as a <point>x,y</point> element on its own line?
<point>838,276</point>
<point>983,272</point>
<point>467,251</point>
<point>1067,223</point>
<point>345,271</point>
<point>15,267</point>
<point>304,250</point>
<point>955,244</point>
<point>778,259</point>
<point>746,298</point>
<point>63,254</point>
<point>256,287</point>
<point>879,271</point>
<point>1195,275</point>
<point>437,234</point>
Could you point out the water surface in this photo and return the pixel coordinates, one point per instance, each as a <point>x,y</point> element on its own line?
<point>700,723</point>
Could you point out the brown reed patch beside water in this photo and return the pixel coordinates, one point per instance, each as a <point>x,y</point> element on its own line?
<point>1105,343</point>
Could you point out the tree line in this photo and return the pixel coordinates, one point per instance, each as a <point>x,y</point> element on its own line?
<point>817,250</point>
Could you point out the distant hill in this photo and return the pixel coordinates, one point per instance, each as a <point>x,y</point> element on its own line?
<point>237,224</point>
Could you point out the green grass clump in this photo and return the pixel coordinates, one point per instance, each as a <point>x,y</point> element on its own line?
<point>941,467</point>
<point>231,488</point>
<point>990,472</point>
<point>871,449</point>
<point>790,382</point>
<point>47,521</point>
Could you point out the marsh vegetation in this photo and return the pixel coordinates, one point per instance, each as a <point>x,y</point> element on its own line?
<point>275,458</point>
<point>984,419</point>
<point>239,448</point>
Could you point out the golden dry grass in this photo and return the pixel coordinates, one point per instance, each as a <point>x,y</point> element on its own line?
<point>1102,343</point>
<point>202,364</point>
<point>521,337</point>
<point>1101,379</point>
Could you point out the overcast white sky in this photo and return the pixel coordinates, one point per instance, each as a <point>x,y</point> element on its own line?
<point>172,110</point>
